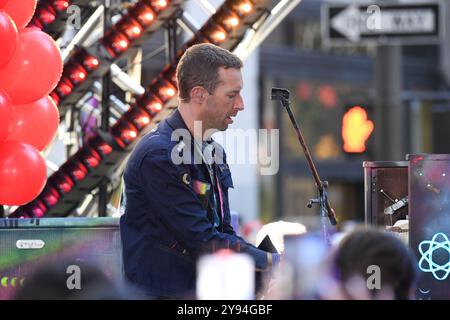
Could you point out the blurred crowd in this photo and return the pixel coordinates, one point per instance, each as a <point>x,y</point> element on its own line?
<point>358,263</point>
<point>361,264</point>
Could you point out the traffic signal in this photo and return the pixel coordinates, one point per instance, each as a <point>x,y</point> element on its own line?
<point>356,129</point>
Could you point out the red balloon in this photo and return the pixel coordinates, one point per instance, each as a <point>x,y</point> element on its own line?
<point>6,116</point>
<point>35,68</point>
<point>21,11</point>
<point>35,123</point>
<point>8,38</point>
<point>22,173</point>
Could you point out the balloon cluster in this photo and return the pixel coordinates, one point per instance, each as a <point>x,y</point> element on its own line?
<point>30,68</point>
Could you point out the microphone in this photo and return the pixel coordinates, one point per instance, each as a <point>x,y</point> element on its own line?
<point>280,94</point>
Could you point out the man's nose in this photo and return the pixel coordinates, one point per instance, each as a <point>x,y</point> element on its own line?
<point>239,103</point>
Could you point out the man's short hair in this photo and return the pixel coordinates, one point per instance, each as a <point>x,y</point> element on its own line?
<point>199,66</point>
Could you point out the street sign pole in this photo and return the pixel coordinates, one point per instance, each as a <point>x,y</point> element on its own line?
<point>390,120</point>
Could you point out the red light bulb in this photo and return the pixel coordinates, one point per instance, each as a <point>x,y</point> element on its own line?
<point>55,97</point>
<point>36,23</point>
<point>159,5</point>
<point>91,62</point>
<point>88,61</point>
<point>38,209</point>
<point>60,5</point>
<point>166,91</point>
<point>130,28</point>
<point>124,132</point>
<point>218,36</point>
<point>129,134</point>
<point>64,87</point>
<point>142,14</point>
<point>227,18</point>
<point>242,7</point>
<point>76,73</point>
<point>138,117</point>
<point>50,196</point>
<point>115,43</point>
<point>214,32</point>
<point>46,14</point>
<point>100,146</point>
<point>89,157</point>
<point>61,181</point>
<point>150,103</point>
<point>75,169</point>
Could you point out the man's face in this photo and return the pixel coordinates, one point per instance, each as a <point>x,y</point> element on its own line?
<point>225,102</point>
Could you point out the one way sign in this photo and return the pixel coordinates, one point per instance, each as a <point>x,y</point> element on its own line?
<point>400,23</point>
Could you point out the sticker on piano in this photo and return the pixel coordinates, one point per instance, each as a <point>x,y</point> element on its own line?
<point>30,244</point>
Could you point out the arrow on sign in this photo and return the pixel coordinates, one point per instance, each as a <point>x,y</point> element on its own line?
<point>348,22</point>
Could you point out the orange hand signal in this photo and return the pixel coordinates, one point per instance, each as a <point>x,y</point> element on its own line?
<point>356,129</point>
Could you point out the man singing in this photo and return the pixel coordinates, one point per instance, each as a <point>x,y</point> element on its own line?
<point>177,210</point>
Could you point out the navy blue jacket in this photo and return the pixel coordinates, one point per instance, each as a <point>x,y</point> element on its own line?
<point>167,223</point>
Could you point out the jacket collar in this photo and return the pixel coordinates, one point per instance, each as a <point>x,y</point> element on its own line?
<point>175,121</point>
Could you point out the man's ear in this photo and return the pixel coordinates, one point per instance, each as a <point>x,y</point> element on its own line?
<point>198,95</point>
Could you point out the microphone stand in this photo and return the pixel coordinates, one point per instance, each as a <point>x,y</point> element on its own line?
<point>283,95</point>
